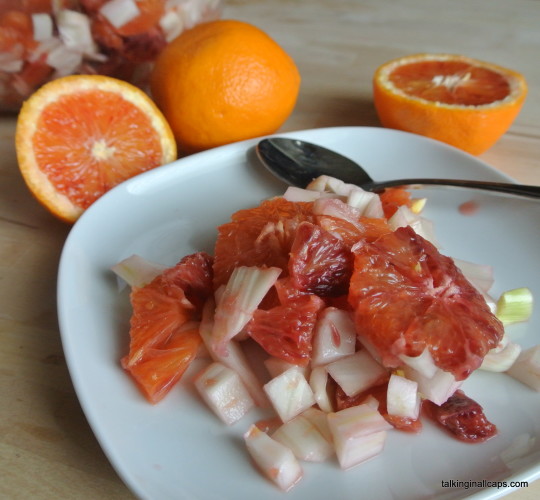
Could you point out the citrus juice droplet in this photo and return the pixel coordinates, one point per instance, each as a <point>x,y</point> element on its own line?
<point>469,208</point>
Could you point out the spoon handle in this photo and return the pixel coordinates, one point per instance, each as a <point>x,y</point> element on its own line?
<point>502,187</point>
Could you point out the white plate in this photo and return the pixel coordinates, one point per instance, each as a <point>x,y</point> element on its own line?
<point>178,449</point>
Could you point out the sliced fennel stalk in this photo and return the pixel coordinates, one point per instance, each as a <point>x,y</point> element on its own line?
<point>515,305</point>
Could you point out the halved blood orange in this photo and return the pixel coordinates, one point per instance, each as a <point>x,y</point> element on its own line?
<point>79,136</point>
<point>458,100</point>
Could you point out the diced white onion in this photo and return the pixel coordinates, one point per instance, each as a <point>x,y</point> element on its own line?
<point>172,24</point>
<point>75,32</point>
<point>42,26</point>
<point>64,60</point>
<point>190,12</point>
<point>120,12</point>
<point>43,47</point>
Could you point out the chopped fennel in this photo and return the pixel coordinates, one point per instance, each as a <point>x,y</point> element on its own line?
<point>359,433</point>
<point>275,460</point>
<point>137,271</point>
<point>402,398</point>
<point>501,359</point>
<point>245,289</point>
<point>307,435</point>
<point>277,366</point>
<point>224,392</point>
<point>233,356</point>
<point>526,368</point>
<point>318,380</point>
<point>515,305</point>
<point>289,393</point>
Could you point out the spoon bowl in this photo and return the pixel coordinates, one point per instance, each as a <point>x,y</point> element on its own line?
<point>298,162</point>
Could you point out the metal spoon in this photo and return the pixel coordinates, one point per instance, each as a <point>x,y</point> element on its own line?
<point>298,162</point>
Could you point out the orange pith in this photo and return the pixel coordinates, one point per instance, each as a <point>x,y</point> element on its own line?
<point>79,136</point>
<point>224,81</point>
<point>464,102</point>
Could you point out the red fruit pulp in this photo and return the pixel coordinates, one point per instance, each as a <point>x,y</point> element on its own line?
<point>407,296</point>
<point>463,417</point>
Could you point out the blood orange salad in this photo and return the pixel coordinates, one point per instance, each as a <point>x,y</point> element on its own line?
<point>362,325</point>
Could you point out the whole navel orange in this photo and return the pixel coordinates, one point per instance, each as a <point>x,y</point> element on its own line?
<point>224,81</point>
<point>458,100</point>
<point>81,135</point>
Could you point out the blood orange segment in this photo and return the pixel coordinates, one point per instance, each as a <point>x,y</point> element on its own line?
<point>367,228</point>
<point>161,367</point>
<point>79,136</point>
<point>160,343</point>
<point>319,262</point>
<point>194,275</point>
<point>462,417</point>
<point>285,331</point>
<point>459,100</point>
<point>259,236</point>
<point>393,198</point>
<point>407,297</point>
<point>158,311</point>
